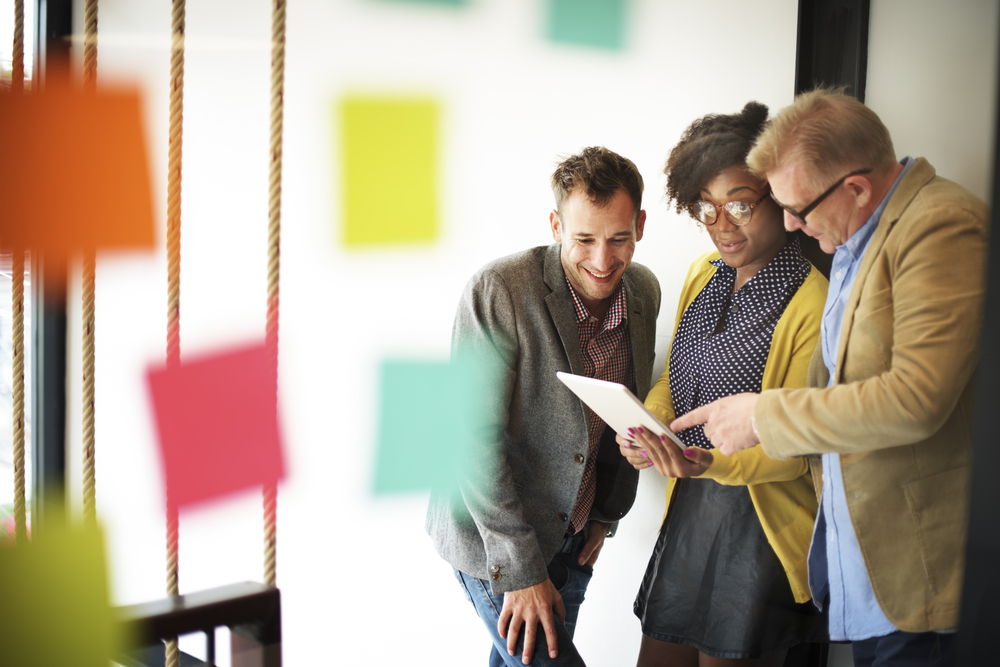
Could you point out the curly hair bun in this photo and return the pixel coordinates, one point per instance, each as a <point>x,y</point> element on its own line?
<point>754,114</point>
<point>709,145</point>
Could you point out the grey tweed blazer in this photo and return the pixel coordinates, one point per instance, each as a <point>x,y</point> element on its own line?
<point>507,515</point>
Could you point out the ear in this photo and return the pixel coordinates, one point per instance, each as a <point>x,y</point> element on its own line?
<point>556,225</point>
<point>860,188</point>
<point>640,225</point>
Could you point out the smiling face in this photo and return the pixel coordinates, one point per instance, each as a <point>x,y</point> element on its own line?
<point>750,247</point>
<point>597,245</point>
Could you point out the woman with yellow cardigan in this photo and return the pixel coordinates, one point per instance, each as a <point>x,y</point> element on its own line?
<point>726,584</point>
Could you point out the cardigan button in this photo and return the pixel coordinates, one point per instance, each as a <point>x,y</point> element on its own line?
<point>562,516</point>
<point>579,458</point>
<point>495,568</point>
<point>497,576</point>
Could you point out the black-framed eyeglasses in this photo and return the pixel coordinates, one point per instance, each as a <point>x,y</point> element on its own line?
<point>739,212</point>
<point>801,215</point>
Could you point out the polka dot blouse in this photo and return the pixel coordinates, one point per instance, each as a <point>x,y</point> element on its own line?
<point>723,339</point>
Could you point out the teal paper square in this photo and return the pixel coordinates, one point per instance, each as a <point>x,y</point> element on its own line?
<point>596,23</point>
<point>431,416</point>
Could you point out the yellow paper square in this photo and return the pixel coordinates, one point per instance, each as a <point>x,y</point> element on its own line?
<point>389,166</point>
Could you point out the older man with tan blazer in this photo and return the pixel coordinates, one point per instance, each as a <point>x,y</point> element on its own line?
<point>888,421</point>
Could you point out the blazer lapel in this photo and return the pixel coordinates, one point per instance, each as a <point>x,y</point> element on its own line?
<point>916,178</point>
<point>641,361</point>
<point>560,306</point>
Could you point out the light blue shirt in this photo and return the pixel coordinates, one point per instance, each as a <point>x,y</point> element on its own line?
<point>835,562</point>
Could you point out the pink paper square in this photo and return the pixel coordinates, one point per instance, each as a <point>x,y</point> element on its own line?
<point>217,422</point>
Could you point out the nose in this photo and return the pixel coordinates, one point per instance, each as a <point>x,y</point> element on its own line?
<point>791,222</point>
<point>724,224</point>
<point>601,256</point>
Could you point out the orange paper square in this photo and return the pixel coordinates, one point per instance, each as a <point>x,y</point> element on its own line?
<point>74,172</point>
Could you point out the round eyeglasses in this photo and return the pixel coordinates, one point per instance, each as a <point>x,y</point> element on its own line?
<point>738,212</point>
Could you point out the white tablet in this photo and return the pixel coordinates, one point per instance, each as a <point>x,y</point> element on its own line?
<point>616,405</point>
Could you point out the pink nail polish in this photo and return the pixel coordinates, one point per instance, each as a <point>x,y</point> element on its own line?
<point>649,464</point>
<point>631,430</point>
<point>640,430</point>
<point>688,453</point>
<point>644,454</point>
<point>663,438</point>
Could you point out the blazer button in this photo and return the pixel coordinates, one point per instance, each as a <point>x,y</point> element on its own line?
<point>495,568</point>
<point>579,458</point>
<point>497,576</point>
<point>562,516</point>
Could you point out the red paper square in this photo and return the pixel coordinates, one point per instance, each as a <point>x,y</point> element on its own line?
<point>218,424</point>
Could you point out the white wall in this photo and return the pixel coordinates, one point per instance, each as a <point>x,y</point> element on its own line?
<point>932,72</point>
<point>360,580</point>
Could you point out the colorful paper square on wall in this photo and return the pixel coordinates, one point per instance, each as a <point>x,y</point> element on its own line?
<point>54,601</point>
<point>434,425</point>
<point>597,23</point>
<point>74,172</point>
<point>389,163</point>
<point>217,423</point>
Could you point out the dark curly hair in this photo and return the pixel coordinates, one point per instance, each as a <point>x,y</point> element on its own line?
<point>711,143</point>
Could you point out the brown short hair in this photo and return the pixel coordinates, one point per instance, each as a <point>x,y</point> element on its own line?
<point>829,132</point>
<point>600,174</point>
<point>709,145</point>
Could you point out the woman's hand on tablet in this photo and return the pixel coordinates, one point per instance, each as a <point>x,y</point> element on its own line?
<point>633,453</point>
<point>670,460</point>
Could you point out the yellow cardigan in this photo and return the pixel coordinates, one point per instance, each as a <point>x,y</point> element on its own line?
<point>781,491</point>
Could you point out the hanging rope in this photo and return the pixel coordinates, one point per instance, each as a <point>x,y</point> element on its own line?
<point>88,279</point>
<point>274,260</point>
<point>174,267</point>
<point>17,303</point>
<point>17,66</point>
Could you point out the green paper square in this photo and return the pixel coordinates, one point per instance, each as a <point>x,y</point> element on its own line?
<point>389,151</point>
<point>54,601</point>
<point>598,23</point>
<point>433,419</point>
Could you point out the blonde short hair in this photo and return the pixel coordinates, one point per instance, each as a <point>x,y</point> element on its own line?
<point>830,133</point>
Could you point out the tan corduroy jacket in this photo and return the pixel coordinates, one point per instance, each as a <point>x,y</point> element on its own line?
<point>900,412</point>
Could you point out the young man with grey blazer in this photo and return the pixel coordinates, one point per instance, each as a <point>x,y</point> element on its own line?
<point>548,482</point>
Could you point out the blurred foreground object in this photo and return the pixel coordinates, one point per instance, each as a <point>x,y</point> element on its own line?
<point>217,423</point>
<point>389,158</point>
<point>54,601</point>
<point>74,173</point>
<point>598,24</point>
<point>429,413</point>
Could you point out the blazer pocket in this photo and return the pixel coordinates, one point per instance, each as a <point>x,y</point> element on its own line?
<point>873,303</point>
<point>938,507</point>
<point>869,348</point>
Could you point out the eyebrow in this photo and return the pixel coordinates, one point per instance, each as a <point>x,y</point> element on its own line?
<point>585,235</point>
<point>734,190</point>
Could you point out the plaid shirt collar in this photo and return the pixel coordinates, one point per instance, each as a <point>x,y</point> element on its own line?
<point>617,314</point>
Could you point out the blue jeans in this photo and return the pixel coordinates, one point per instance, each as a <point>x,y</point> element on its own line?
<point>570,580</point>
<point>906,649</point>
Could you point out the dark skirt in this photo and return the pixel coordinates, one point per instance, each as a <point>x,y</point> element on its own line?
<point>714,582</point>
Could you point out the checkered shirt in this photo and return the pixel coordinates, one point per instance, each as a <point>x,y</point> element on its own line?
<point>606,356</point>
